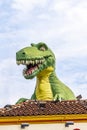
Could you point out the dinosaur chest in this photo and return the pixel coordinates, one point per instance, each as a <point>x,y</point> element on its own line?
<point>43,89</point>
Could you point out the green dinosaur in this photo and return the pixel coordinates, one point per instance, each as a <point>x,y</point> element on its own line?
<point>40,62</point>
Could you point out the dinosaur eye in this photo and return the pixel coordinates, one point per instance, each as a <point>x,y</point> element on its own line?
<point>42,48</point>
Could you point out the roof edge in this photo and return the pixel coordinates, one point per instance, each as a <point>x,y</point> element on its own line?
<point>42,119</point>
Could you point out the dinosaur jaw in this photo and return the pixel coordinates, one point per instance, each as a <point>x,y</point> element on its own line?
<point>32,67</point>
<point>30,71</point>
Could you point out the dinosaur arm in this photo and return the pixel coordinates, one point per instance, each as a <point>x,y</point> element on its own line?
<point>33,97</point>
<point>21,100</point>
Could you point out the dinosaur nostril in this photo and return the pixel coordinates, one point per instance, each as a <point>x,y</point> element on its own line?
<point>23,53</point>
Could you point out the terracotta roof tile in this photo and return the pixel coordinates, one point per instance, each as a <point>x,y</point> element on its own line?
<point>30,108</point>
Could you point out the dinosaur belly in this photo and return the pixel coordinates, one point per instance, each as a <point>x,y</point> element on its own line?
<point>43,90</point>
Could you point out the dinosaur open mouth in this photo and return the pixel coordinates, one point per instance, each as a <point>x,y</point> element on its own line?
<point>31,66</point>
<point>30,69</point>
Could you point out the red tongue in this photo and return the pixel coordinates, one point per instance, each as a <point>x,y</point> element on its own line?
<point>29,71</point>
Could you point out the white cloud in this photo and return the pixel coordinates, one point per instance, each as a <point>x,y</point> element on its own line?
<point>62,24</point>
<point>74,76</point>
<point>73,15</point>
<point>44,16</point>
<point>27,5</point>
<point>71,51</point>
<point>25,9</point>
<point>12,83</point>
<point>7,63</point>
<point>60,5</point>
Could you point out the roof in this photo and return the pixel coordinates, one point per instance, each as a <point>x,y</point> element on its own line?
<point>36,108</point>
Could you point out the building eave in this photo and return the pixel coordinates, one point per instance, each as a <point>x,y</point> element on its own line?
<point>43,119</point>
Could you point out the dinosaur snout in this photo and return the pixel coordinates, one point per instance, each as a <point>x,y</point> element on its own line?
<point>20,55</point>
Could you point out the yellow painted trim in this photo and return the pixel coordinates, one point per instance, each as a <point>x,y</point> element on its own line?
<point>43,119</point>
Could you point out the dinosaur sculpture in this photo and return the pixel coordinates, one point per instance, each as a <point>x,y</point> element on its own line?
<point>40,62</point>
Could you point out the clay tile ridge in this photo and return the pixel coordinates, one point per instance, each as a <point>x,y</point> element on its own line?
<point>34,108</point>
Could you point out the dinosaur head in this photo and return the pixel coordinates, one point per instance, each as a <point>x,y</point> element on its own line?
<point>36,58</point>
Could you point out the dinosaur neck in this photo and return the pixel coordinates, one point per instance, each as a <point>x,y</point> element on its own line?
<point>43,87</point>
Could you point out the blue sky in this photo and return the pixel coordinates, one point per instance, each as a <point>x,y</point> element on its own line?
<point>61,24</point>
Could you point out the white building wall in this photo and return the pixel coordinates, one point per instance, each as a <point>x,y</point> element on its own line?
<point>59,126</point>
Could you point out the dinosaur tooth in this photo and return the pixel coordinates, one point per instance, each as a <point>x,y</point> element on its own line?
<point>25,75</point>
<point>18,62</point>
<point>40,61</point>
<point>30,61</point>
<point>43,60</point>
<point>38,65</point>
<point>36,61</point>
<point>32,70</point>
<point>35,68</point>
<point>24,70</point>
<point>23,62</point>
<point>33,62</point>
<point>27,62</point>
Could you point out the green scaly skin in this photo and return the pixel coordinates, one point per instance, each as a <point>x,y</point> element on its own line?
<point>37,58</point>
